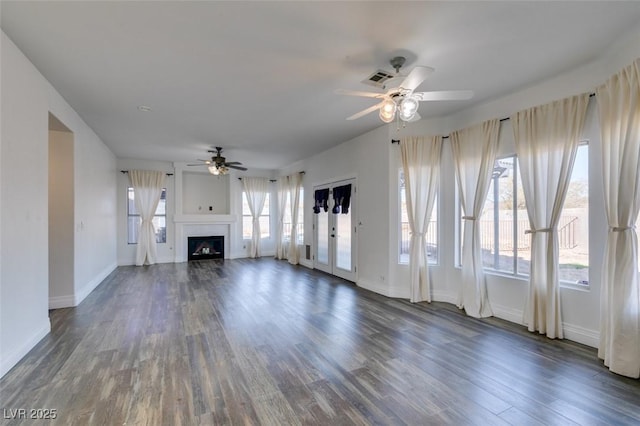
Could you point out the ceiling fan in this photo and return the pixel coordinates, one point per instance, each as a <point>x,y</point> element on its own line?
<point>218,165</point>
<point>400,97</point>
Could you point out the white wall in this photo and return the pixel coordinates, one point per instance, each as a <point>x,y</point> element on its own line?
<point>95,176</point>
<point>61,220</point>
<point>364,158</point>
<point>204,193</point>
<point>27,99</point>
<point>24,317</point>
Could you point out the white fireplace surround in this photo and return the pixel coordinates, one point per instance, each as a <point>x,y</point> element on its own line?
<point>186,230</point>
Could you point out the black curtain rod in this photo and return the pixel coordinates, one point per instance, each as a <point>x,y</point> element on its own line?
<point>270,180</point>
<point>591,95</point>
<point>127,171</point>
<point>275,180</point>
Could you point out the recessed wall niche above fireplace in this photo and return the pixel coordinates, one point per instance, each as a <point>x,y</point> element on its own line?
<point>202,248</point>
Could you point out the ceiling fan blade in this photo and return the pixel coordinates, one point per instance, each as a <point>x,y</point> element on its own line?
<point>416,77</point>
<point>232,162</point>
<point>359,93</point>
<point>444,95</point>
<point>199,164</point>
<point>236,167</point>
<point>365,111</point>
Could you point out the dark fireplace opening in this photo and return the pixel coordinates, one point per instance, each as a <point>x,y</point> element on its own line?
<point>202,248</point>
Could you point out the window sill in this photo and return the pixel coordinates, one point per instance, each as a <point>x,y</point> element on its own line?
<point>573,286</point>
<point>429,263</point>
<point>494,272</point>
<point>525,278</point>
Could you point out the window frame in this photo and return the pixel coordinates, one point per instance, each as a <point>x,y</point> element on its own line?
<point>514,229</point>
<point>267,207</point>
<point>436,226</point>
<point>163,196</point>
<point>575,284</point>
<point>300,224</point>
<point>516,273</point>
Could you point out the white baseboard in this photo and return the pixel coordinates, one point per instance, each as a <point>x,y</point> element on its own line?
<point>508,314</point>
<point>132,262</point>
<point>58,302</point>
<point>85,290</point>
<point>8,361</point>
<point>307,263</point>
<point>581,335</point>
<point>375,287</point>
<point>402,292</point>
<point>399,292</point>
<point>571,332</point>
<point>443,296</point>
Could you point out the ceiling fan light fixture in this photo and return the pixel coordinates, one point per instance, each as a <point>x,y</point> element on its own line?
<point>388,111</point>
<point>408,108</point>
<point>218,169</point>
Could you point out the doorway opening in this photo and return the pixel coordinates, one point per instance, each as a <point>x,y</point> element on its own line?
<point>61,215</point>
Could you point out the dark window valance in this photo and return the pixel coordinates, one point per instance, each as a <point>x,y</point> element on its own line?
<point>321,197</point>
<point>342,198</point>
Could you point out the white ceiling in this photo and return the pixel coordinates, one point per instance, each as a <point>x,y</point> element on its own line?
<point>258,77</point>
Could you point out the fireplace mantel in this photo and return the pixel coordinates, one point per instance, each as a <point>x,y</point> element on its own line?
<point>223,219</point>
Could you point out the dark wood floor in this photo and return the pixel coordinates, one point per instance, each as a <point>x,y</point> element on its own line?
<point>263,342</point>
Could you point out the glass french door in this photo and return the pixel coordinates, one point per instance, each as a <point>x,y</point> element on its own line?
<point>335,236</point>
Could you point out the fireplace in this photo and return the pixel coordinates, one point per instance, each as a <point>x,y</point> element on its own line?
<point>201,248</point>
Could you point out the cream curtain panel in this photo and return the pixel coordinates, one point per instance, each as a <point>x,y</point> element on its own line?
<point>421,164</point>
<point>619,110</point>
<point>282,194</point>
<point>474,154</point>
<point>546,140</point>
<point>147,186</point>
<point>295,181</point>
<point>255,190</point>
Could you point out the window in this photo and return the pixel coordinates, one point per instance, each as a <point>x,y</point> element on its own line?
<point>405,235</point>
<point>286,221</point>
<point>159,219</point>
<point>247,221</point>
<point>505,247</point>
<point>573,227</point>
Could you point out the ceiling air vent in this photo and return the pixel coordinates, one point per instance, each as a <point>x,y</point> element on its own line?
<point>378,78</point>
